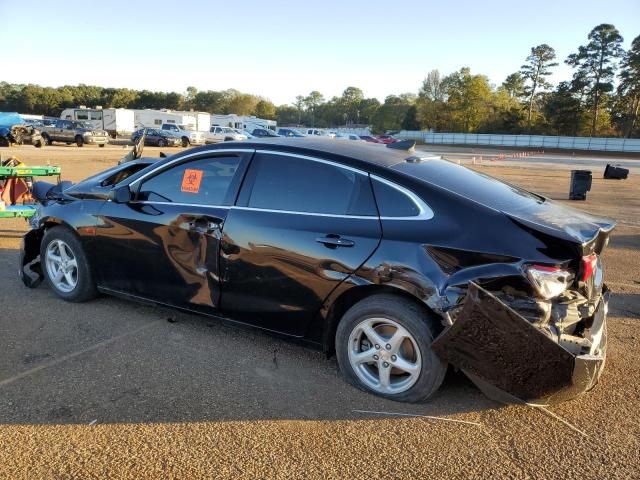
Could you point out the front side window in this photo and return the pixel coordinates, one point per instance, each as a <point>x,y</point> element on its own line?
<point>203,182</point>
<point>301,185</point>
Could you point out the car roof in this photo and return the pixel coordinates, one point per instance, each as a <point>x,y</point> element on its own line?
<point>361,152</point>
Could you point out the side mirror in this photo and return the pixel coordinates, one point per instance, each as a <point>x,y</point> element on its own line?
<point>120,194</point>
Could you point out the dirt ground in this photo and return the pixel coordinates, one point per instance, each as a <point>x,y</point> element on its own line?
<point>111,389</point>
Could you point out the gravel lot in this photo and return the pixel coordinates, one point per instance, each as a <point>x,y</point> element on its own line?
<point>113,389</point>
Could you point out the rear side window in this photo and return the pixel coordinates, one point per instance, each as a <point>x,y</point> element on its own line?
<point>205,181</point>
<point>300,185</point>
<point>392,202</point>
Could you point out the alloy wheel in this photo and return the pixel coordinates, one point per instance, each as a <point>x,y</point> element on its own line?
<point>62,266</point>
<point>384,355</point>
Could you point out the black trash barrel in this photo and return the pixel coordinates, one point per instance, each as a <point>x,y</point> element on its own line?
<point>615,172</point>
<point>580,184</point>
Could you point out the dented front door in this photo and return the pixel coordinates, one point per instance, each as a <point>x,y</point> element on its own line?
<point>164,244</point>
<point>169,253</point>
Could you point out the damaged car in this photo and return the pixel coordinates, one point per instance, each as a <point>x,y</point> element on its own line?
<point>401,264</point>
<point>15,130</point>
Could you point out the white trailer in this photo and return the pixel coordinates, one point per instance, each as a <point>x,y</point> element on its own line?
<point>156,118</point>
<point>203,121</point>
<point>250,123</point>
<point>115,121</point>
<point>231,120</point>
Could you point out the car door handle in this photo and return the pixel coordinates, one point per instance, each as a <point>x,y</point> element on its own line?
<point>333,241</point>
<point>204,226</point>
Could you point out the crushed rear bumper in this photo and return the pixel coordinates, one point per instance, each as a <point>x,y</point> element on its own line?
<point>513,361</point>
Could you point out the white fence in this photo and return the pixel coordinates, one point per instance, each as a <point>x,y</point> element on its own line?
<point>533,141</point>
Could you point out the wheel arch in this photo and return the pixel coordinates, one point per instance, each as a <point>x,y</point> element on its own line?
<point>337,305</point>
<point>30,264</point>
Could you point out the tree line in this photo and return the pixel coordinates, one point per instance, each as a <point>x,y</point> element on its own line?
<point>601,99</point>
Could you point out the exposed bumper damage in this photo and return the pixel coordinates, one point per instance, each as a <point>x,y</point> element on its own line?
<point>30,267</point>
<point>512,360</point>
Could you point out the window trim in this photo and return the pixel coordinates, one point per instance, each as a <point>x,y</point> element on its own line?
<point>313,159</point>
<point>315,214</point>
<point>234,187</point>
<point>204,153</point>
<point>424,211</point>
<point>296,212</point>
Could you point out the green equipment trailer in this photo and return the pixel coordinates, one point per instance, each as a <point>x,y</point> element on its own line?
<point>24,211</point>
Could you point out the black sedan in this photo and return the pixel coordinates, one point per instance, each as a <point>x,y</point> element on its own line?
<point>157,138</point>
<point>264,133</point>
<point>399,264</point>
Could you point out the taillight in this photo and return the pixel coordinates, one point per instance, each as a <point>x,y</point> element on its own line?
<point>549,282</point>
<point>588,265</point>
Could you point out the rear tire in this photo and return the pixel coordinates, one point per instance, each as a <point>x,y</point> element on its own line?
<point>46,139</point>
<point>79,141</point>
<point>65,266</point>
<point>101,145</point>
<point>383,346</point>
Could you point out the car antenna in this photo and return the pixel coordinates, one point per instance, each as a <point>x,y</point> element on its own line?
<point>408,145</point>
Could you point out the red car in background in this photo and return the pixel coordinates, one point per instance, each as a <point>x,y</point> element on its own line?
<point>386,139</point>
<point>370,139</point>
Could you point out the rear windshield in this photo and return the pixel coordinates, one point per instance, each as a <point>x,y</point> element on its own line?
<point>471,184</point>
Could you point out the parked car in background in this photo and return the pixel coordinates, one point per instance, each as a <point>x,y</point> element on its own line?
<point>218,134</point>
<point>264,133</point>
<point>386,139</point>
<point>348,136</point>
<point>370,139</point>
<point>157,138</point>
<point>243,132</point>
<point>399,264</point>
<point>15,129</point>
<point>290,132</point>
<point>189,137</point>
<point>319,132</point>
<point>71,131</point>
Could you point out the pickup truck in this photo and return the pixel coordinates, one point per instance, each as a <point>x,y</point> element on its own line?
<point>70,131</point>
<point>222,134</point>
<point>189,137</point>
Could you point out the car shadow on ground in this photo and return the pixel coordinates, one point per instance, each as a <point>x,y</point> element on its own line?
<point>116,361</point>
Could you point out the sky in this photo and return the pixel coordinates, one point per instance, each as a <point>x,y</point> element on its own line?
<point>281,49</point>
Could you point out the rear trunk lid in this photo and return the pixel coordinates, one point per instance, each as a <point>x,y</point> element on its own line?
<point>587,233</point>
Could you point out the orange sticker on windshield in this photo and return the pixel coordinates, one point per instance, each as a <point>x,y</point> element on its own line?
<point>191,181</point>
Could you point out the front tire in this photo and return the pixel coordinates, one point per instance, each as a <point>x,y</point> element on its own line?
<point>65,266</point>
<point>161,143</point>
<point>79,141</point>
<point>383,345</point>
<point>185,142</point>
